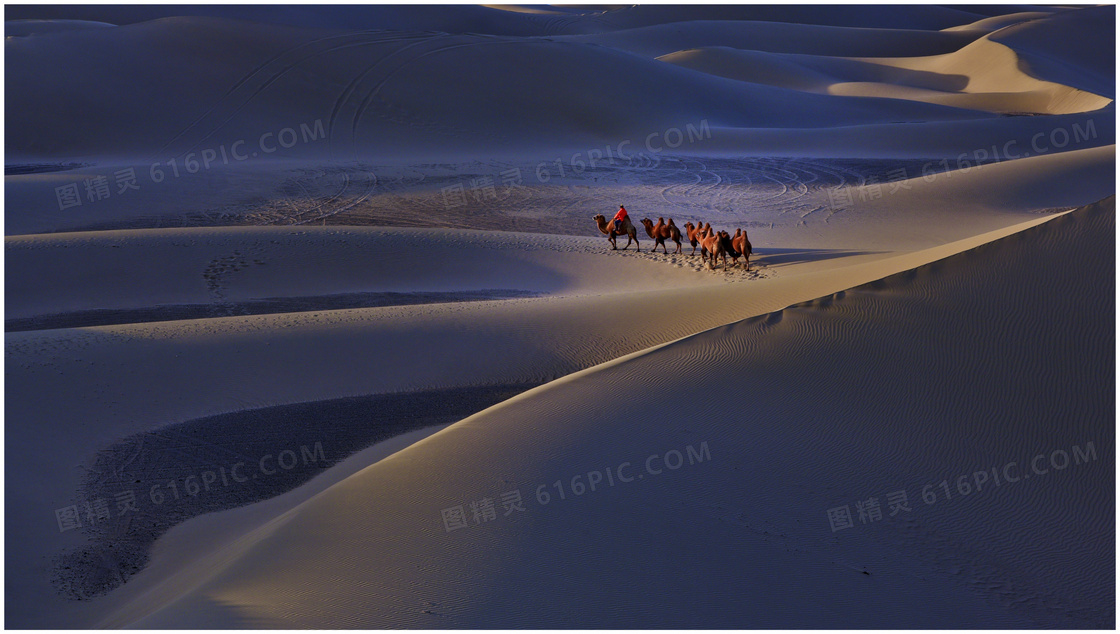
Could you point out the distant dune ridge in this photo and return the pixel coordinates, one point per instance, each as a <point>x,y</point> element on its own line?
<point>263,77</point>
<point>225,223</point>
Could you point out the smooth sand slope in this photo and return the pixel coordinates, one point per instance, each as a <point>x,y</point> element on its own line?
<point>388,92</point>
<point>985,358</point>
<point>596,306</point>
<point>908,317</point>
<point>410,93</point>
<point>1061,49</point>
<point>379,123</point>
<point>523,21</point>
<point>984,75</point>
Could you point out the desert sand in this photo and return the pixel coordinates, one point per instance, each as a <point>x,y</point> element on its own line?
<point>308,324</point>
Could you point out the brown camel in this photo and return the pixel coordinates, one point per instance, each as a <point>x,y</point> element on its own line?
<point>693,235</point>
<point>661,232</point>
<point>716,244</point>
<point>705,230</point>
<point>627,229</point>
<point>711,247</point>
<point>741,244</point>
<point>728,248</point>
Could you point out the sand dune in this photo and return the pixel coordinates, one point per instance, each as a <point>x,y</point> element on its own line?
<point>410,301</point>
<point>279,78</point>
<point>311,356</point>
<point>502,20</point>
<point>983,75</point>
<point>654,41</point>
<point>738,501</point>
<point>994,23</point>
<point>1023,184</point>
<point>23,28</point>
<point>261,79</point>
<point>990,69</point>
<point>1076,48</point>
<point>1004,138</point>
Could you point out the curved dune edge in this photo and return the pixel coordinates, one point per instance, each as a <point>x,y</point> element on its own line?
<point>992,68</point>
<point>983,75</point>
<point>261,585</point>
<point>901,326</point>
<point>524,21</point>
<point>1076,48</point>
<point>248,361</point>
<point>405,93</point>
<point>997,22</point>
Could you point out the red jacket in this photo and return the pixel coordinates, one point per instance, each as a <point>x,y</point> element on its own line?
<point>621,215</point>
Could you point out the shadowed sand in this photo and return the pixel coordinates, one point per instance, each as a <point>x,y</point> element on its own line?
<point>362,225</point>
<point>793,434</point>
<point>268,305</point>
<point>197,467</point>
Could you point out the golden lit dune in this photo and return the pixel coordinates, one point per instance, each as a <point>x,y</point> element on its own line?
<point>993,80</point>
<point>983,75</point>
<point>774,420</point>
<point>361,238</point>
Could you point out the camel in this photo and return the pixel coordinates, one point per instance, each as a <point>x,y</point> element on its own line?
<point>627,229</point>
<point>727,247</point>
<point>711,247</point>
<point>743,246</point>
<point>661,232</point>
<point>693,233</point>
<point>705,230</point>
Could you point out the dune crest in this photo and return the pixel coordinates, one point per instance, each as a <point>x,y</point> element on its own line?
<point>947,426</point>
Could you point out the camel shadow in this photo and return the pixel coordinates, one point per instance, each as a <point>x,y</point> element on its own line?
<point>786,257</point>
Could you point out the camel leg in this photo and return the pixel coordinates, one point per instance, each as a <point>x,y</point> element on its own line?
<point>678,246</point>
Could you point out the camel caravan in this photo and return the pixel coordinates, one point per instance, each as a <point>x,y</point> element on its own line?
<point>713,244</point>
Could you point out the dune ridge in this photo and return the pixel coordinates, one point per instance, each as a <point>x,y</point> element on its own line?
<point>348,252</point>
<point>1021,270</point>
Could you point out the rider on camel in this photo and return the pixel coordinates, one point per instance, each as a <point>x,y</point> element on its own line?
<point>619,218</point>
